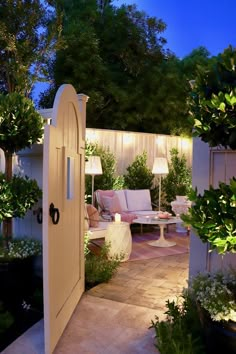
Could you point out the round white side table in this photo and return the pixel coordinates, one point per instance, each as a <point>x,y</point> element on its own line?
<point>119,237</point>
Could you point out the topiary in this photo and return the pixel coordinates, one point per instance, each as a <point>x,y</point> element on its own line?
<point>139,175</point>
<point>179,179</point>
<point>20,127</point>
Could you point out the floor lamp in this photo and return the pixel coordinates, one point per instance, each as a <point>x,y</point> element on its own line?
<point>93,167</point>
<point>160,167</point>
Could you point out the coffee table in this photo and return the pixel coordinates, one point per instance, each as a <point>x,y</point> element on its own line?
<point>161,242</point>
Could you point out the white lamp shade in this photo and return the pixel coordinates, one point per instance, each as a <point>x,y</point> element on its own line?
<point>160,166</point>
<point>93,166</point>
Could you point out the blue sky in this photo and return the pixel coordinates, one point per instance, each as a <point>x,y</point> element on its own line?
<point>190,24</point>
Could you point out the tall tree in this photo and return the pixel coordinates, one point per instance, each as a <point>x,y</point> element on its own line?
<point>117,56</point>
<point>28,32</point>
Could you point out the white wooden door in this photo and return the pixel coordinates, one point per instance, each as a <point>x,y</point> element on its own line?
<point>63,226</point>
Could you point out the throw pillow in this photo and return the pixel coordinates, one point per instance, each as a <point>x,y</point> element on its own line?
<point>112,204</point>
<point>103,193</point>
<point>93,215</point>
<point>138,199</point>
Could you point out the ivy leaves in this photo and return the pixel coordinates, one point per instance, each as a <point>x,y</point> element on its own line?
<point>213,216</point>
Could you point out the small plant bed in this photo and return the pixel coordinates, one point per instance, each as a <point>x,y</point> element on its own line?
<point>181,332</point>
<point>19,312</point>
<point>21,296</point>
<point>99,268</point>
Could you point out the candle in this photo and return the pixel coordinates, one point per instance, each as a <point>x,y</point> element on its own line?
<point>117,217</point>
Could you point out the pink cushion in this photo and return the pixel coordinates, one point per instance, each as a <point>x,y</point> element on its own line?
<point>112,204</point>
<point>103,193</point>
<point>93,215</point>
<point>127,217</point>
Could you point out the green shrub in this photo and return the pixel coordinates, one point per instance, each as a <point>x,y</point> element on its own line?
<point>181,332</point>
<point>17,196</point>
<point>100,268</point>
<point>179,179</point>
<point>107,180</point>
<point>6,319</point>
<point>139,175</point>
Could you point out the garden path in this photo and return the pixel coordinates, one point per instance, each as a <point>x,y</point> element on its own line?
<point>114,318</point>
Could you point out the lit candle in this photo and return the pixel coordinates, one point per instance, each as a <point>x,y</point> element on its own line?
<point>117,217</point>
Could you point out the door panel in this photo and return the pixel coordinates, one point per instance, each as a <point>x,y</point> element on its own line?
<point>63,185</point>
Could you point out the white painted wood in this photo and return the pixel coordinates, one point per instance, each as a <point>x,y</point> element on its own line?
<point>209,167</point>
<point>29,162</point>
<point>63,251</point>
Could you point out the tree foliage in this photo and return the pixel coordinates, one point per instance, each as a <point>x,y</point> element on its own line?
<point>117,56</point>
<point>139,175</point>
<point>20,124</point>
<point>179,178</point>
<point>213,101</point>
<point>28,32</point>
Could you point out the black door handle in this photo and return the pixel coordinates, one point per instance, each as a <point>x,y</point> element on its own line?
<point>39,215</point>
<point>54,213</point>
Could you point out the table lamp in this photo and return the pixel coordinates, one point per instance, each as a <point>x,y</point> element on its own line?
<point>93,167</point>
<point>160,168</point>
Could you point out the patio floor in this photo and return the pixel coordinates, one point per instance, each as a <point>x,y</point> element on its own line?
<point>114,318</point>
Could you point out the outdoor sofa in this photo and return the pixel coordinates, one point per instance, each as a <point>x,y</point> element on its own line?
<point>130,204</point>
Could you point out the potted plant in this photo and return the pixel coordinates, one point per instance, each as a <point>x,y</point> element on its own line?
<point>178,182</point>
<point>215,296</point>
<point>213,216</point>
<point>20,127</point>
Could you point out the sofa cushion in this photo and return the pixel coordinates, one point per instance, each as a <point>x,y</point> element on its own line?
<point>122,199</point>
<point>112,204</point>
<point>93,215</point>
<point>103,193</point>
<point>139,199</point>
<point>86,218</point>
<point>128,217</point>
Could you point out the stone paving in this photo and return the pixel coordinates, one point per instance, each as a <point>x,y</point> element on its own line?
<point>114,318</point>
<point>148,283</point>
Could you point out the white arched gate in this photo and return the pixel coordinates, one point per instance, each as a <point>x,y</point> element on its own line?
<point>63,214</point>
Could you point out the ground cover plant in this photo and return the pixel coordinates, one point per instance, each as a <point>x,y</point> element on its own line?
<point>99,267</point>
<point>181,332</point>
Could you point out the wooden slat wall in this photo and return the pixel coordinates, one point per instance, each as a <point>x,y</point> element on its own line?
<point>127,145</point>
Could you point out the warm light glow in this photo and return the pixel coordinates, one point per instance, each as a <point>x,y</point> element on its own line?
<point>160,140</point>
<point>128,138</point>
<point>93,166</point>
<point>186,143</point>
<point>91,135</point>
<point>160,166</point>
<point>117,217</point>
